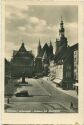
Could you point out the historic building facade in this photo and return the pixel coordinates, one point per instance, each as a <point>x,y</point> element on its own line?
<point>7,71</point>
<point>46,48</point>
<point>63,65</point>
<point>75,51</point>
<point>45,61</point>
<point>64,61</point>
<point>44,55</point>
<point>38,66</point>
<point>22,62</point>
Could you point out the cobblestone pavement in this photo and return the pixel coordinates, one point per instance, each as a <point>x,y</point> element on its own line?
<point>43,97</point>
<point>72,93</point>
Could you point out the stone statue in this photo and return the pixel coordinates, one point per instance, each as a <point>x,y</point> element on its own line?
<point>23,78</point>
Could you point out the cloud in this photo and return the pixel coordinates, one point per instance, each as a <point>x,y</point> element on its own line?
<point>16,5</point>
<point>29,23</point>
<point>53,13</point>
<point>15,8</point>
<point>34,20</point>
<point>72,32</point>
<point>21,28</point>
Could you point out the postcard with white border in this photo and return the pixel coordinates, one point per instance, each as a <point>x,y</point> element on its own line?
<point>42,62</point>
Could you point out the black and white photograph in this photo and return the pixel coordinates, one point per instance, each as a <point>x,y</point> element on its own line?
<point>41,58</point>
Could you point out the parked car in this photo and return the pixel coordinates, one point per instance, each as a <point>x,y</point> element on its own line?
<point>36,77</point>
<point>22,94</point>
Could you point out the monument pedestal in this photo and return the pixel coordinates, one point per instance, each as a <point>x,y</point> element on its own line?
<point>23,82</point>
<point>23,79</point>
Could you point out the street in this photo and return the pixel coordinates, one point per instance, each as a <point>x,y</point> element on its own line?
<point>43,97</point>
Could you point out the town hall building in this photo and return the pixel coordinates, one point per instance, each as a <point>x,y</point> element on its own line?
<point>64,61</point>
<point>22,62</point>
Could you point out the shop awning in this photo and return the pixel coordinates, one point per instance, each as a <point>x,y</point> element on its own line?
<point>57,81</point>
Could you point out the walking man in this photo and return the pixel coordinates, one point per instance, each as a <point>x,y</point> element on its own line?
<point>71,105</point>
<point>8,100</point>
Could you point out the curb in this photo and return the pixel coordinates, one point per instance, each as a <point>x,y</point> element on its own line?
<point>59,89</point>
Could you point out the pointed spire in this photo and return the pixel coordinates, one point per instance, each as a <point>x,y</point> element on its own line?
<point>51,48</point>
<point>39,49</point>
<point>61,30</point>
<point>22,44</point>
<point>61,24</point>
<point>22,48</point>
<point>39,45</point>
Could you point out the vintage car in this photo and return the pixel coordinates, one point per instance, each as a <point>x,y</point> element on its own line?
<point>36,77</point>
<point>22,94</point>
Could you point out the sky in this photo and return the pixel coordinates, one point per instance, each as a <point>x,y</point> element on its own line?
<point>29,23</point>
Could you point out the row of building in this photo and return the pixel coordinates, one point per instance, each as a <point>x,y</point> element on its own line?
<point>62,66</point>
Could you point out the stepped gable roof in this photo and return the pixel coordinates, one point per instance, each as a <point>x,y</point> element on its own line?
<point>22,52</point>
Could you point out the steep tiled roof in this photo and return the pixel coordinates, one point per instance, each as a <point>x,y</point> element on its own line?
<point>63,54</point>
<point>22,52</point>
<point>75,47</point>
<point>22,48</point>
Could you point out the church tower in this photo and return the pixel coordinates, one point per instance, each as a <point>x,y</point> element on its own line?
<point>62,41</point>
<point>61,30</point>
<point>51,48</point>
<point>45,63</point>
<point>39,51</point>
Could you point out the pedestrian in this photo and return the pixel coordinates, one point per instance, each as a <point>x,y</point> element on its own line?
<point>8,100</point>
<point>71,105</point>
<point>77,90</point>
